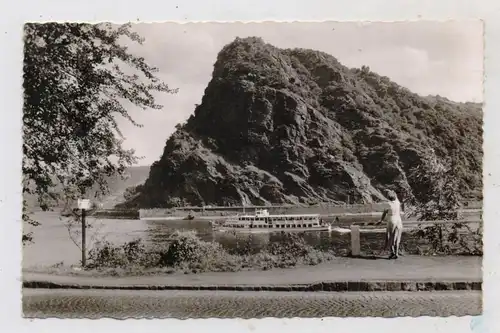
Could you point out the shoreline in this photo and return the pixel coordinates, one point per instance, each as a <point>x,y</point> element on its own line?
<point>199,214</point>
<point>217,215</point>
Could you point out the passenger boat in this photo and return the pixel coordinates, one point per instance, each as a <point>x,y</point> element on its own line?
<point>262,221</point>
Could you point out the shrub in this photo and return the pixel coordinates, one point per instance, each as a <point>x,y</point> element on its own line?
<point>128,254</point>
<point>291,249</point>
<point>243,244</point>
<point>440,200</point>
<point>455,239</point>
<point>189,252</point>
<point>288,246</point>
<point>186,252</point>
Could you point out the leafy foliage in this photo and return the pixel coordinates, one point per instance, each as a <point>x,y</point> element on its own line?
<point>78,78</point>
<point>28,237</point>
<point>184,251</point>
<point>242,244</point>
<point>187,251</point>
<point>441,200</point>
<point>133,253</point>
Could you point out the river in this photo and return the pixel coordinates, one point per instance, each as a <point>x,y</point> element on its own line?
<point>52,244</point>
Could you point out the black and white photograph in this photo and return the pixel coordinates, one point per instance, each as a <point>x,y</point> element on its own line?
<point>252,170</point>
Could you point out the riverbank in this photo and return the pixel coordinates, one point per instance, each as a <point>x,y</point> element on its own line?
<point>129,247</point>
<point>410,273</point>
<point>342,214</point>
<point>324,210</point>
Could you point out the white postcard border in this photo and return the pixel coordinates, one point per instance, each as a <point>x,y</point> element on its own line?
<point>16,12</point>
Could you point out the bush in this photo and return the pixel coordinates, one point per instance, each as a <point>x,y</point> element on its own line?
<point>455,239</point>
<point>441,200</point>
<point>187,251</point>
<point>241,244</point>
<point>129,254</point>
<point>288,247</point>
<point>291,249</point>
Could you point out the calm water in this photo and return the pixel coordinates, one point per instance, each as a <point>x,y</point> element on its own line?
<point>53,244</point>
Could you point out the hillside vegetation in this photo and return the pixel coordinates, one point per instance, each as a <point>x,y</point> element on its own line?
<point>296,126</point>
<point>117,190</point>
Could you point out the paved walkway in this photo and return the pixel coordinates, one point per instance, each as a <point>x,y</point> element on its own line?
<point>449,269</point>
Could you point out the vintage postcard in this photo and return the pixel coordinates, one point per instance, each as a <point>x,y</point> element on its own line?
<point>231,170</point>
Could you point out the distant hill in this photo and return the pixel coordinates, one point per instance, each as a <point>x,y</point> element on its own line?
<point>136,176</point>
<point>117,187</point>
<point>296,126</point>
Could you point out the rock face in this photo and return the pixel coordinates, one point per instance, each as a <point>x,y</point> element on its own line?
<point>296,126</point>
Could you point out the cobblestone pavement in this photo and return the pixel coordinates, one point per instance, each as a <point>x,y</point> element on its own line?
<point>201,304</point>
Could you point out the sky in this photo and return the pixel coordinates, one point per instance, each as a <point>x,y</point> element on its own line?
<point>438,58</point>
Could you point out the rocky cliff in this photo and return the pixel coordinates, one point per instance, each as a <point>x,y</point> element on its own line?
<point>296,126</point>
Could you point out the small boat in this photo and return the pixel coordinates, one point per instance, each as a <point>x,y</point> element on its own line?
<point>341,230</point>
<point>262,221</point>
<point>189,217</point>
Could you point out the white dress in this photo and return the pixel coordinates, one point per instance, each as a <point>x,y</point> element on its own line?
<point>393,216</point>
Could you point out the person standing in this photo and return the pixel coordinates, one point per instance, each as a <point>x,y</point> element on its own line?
<point>394,230</point>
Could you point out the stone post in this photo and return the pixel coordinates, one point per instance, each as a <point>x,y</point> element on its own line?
<point>355,240</point>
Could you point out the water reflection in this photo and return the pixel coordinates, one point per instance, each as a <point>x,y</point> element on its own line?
<point>159,231</point>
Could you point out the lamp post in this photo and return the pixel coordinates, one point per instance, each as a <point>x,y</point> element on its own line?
<point>84,205</point>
